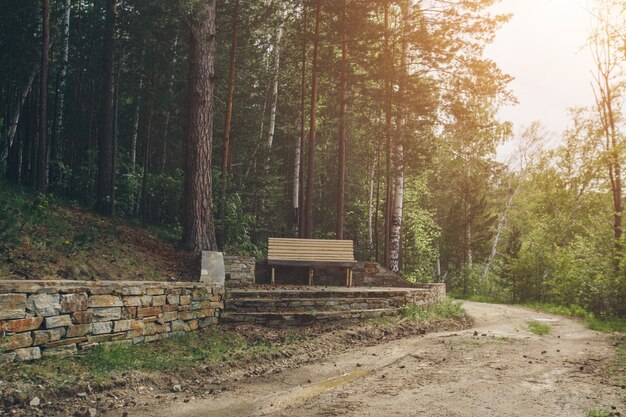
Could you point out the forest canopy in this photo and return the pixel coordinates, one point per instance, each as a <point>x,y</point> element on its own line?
<point>227,122</point>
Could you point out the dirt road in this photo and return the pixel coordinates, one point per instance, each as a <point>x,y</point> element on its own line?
<point>498,368</point>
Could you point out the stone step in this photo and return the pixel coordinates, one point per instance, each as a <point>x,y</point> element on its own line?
<point>300,318</point>
<point>312,304</point>
<point>321,292</point>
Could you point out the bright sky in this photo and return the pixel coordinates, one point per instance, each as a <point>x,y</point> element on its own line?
<point>543,47</point>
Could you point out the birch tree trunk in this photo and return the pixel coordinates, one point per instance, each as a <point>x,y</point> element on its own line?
<point>388,69</point>
<point>198,226</point>
<point>135,130</point>
<point>308,232</point>
<point>17,112</point>
<point>395,235</point>
<point>496,237</point>
<point>272,126</point>
<point>41,183</point>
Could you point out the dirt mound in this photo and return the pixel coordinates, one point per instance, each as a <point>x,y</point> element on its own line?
<point>66,243</point>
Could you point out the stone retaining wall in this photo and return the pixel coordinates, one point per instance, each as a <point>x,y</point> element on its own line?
<point>45,318</point>
<point>240,270</point>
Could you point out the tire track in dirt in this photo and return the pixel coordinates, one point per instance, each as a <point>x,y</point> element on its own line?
<point>497,368</point>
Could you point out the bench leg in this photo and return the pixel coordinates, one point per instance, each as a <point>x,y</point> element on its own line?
<point>347,277</point>
<point>273,275</point>
<point>350,277</point>
<point>310,276</point>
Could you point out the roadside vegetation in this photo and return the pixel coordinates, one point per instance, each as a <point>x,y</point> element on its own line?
<point>539,328</point>
<point>446,309</point>
<point>601,323</point>
<point>105,361</point>
<point>598,412</point>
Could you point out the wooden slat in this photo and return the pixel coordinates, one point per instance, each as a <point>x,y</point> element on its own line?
<point>310,251</point>
<point>290,239</point>
<point>312,263</point>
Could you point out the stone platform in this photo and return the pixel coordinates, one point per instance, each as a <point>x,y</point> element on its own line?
<point>301,305</point>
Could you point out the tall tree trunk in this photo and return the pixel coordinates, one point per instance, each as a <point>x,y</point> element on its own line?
<point>341,165</point>
<point>41,184</point>
<point>26,88</point>
<point>387,70</point>
<point>198,227</point>
<point>377,211</point>
<point>607,67</point>
<point>58,132</point>
<point>105,182</point>
<point>272,126</point>
<point>227,126</point>
<point>147,155</point>
<point>395,236</point>
<point>298,186</point>
<point>501,223</point>
<point>310,180</point>
<point>231,93</point>
<point>370,209</point>
<point>116,94</point>
<point>135,130</point>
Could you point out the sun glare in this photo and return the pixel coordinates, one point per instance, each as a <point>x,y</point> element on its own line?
<point>544,47</point>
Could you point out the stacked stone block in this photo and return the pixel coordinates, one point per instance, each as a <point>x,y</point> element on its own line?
<point>240,270</point>
<point>47,318</point>
<point>293,306</point>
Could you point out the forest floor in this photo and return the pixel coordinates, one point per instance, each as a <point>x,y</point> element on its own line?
<point>43,240</point>
<point>498,367</point>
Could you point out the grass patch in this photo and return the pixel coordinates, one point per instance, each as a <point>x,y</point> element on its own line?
<point>539,328</point>
<point>608,325</point>
<point>602,324</point>
<point>446,309</point>
<point>479,298</point>
<point>597,412</point>
<point>105,361</point>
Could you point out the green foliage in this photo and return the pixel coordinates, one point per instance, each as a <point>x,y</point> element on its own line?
<point>173,354</point>
<point>446,309</point>
<point>539,328</point>
<point>600,323</point>
<point>598,412</point>
<point>479,298</point>
<point>179,352</point>
<point>607,325</point>
<point>422,232</point>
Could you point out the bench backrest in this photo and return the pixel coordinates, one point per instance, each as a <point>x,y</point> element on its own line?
<point>310,251</point>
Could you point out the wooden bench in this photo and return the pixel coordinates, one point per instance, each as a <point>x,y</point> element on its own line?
<point>311,253</point>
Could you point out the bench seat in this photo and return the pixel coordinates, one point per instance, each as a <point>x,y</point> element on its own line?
<point>311,253</point>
